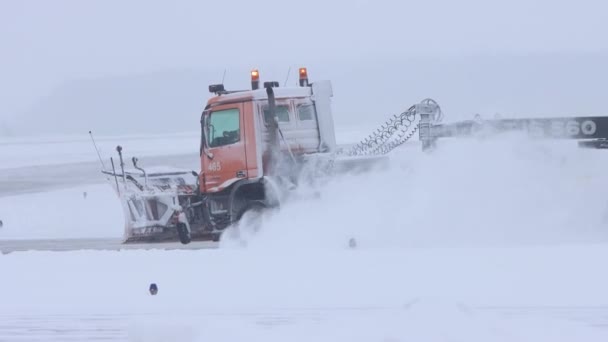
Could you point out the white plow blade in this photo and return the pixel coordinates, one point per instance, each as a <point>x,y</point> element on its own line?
<point>151,204</point>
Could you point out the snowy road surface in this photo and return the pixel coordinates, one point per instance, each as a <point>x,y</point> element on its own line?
<point>442,294</point>
<point>62,245</point>
<point>270,325</point>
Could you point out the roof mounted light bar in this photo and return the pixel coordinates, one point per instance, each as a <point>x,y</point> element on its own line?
<point>303,77</point>
<point>219,89</point>
<point>255,79</point>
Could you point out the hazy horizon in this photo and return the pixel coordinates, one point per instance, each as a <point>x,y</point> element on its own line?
<point>70,66</point>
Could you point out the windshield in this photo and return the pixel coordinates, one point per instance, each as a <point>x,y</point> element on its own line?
<point>222,127</point>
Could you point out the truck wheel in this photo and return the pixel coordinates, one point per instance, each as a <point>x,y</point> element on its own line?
<point>183,233</point>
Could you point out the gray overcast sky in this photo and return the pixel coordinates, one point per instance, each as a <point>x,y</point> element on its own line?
<point>47,43</point>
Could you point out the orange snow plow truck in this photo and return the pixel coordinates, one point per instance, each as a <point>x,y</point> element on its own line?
<point>259,144</point>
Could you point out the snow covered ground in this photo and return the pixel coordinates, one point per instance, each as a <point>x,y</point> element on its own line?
<point>503,240</point>
<point>63,214</point>
<point>440,294</point>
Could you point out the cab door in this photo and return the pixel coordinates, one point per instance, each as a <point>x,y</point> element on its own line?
<point>224,159</point>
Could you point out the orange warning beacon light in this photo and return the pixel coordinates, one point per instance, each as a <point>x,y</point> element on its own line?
<point>255,79</point>
<point>303,77</point>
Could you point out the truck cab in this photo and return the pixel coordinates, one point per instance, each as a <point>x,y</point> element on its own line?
<point>252,139</point>
<point>254,145</point>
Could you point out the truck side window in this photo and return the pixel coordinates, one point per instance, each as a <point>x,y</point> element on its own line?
<point>306,112</point>
<point>282,114</point>
<point>223,127</point>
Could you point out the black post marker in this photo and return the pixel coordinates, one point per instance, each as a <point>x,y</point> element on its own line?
<point>153,289</point>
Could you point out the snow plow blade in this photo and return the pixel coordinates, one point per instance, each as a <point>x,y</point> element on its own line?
<point>153,202</point>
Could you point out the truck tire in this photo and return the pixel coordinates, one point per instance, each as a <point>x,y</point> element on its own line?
<point>183,233</point>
